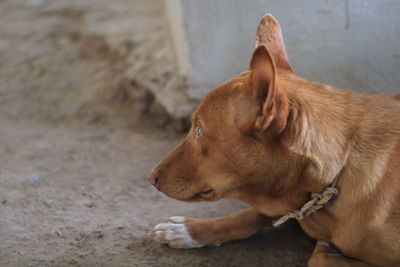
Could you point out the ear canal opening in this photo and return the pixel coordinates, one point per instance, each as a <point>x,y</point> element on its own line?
<point>273,104</point>
<point>263,72</point>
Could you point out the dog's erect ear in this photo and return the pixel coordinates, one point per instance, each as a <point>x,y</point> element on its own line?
<point>263,85</point>
<point>269,34</point>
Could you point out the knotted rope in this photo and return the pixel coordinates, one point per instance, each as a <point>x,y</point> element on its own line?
<point>317,202</point>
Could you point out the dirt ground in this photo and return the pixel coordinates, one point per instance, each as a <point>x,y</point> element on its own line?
<point>78,133</point>
<point>76,195</point>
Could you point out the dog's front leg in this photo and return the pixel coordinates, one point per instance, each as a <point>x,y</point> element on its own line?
<point>183,232</point>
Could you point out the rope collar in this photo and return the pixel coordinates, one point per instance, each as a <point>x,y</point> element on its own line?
<point>317,202</point>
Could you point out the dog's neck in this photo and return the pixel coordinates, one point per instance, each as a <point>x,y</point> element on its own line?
<point>320,127</point>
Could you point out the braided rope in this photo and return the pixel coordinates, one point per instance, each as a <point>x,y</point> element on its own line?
<point>317,202</point>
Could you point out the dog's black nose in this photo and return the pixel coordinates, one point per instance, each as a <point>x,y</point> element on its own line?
<point>153,178</point>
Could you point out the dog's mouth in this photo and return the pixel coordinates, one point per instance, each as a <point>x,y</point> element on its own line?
<point>207,193</point>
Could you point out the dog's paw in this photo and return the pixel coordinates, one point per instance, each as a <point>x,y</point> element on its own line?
<point>174,233</point>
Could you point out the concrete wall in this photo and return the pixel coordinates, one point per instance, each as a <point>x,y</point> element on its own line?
<point>351,44</point>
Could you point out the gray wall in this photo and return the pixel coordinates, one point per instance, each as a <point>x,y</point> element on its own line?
<point>350,44</point>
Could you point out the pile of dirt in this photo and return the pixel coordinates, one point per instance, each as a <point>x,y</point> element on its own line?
<point>93,61</point>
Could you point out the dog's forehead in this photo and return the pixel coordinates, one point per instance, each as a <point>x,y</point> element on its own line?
<point>216,102</point>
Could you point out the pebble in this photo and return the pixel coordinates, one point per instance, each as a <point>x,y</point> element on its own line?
<point>59,233</point>
<point>98,234</point>
<point>122,226</point>
<point>34,179</point>
<point>89,205</point>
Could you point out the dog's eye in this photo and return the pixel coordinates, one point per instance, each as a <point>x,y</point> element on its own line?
<point>198,131</point>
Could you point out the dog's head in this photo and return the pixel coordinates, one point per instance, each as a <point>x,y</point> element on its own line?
<point>232,147</point>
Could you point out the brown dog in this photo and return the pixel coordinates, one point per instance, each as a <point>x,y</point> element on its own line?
<point>270,138</point>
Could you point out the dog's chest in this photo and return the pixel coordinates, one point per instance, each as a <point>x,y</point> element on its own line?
<point>319,225</point>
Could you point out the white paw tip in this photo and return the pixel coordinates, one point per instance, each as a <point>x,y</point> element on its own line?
<point>176,219</point>
<point>175,235</point>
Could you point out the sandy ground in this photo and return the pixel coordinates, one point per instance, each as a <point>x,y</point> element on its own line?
<point>78,133</point>
<point>77,195</point>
